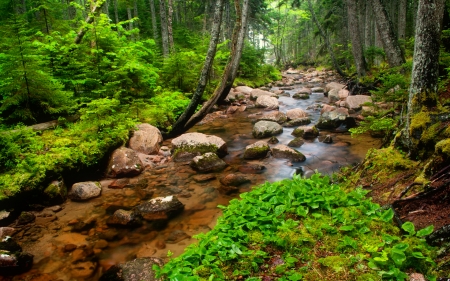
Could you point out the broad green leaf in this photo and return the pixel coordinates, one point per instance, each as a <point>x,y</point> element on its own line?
<point>425,231</point>
<point>409,227</point>
<point>398,256</point>
<point>387,215</point>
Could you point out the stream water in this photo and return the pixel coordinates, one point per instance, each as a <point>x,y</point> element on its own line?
<point>76,244</point>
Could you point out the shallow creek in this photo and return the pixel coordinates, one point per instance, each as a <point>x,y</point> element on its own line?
<point>60,253</point>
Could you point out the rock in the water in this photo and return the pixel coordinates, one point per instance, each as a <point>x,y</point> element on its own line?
<point>189,145</point>
<point>257,150</point>
<point>318,90</point>
<point>55,192</point>
<point>297,122</point>
<point>297,142</point>
<point>8,244</point>
<point>256,93</point>
<point>12,263</point>
<point>332,119</point>
<point>296,113</point>
<point>124,218</point>
<point>275,116</point>
<point>119,183</point>
<point>140,269</point>
<point>160,208</point>
<point>146,140</point>
<point>355,102</point>
<point>203,178</point>
<point>234,180</point>
<point>333,96</point>
<point>267,102</point>
<point>306,91</point>
<point>124,162</point>
<point>273,140</point>
<point>283,151</point>
<point>252,169</point>
<point>333,85</point>
<point>176,236</point>
<point>300,96</point>
<point>264,129</point>
<point>26,218</point>
<point>328,139</point>
<point>306,132</point>
<point>85,190</point>
<point>327,108</point>
<point>208,162</point>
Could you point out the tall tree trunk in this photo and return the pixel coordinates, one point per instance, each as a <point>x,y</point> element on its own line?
<point>129,16</point>
<point>179,126</point>
<point>90,18</point>
<point>357,47</point>
<point>116,12</point>
<point>394,53</point>
<point>368,27</point>
<point>169,27</point>
<point>423,97</point>
<point>326,40</point>
<point>136,15</point>
<point>164,30</point>
<point>153,13</point>
<point>402,20</point>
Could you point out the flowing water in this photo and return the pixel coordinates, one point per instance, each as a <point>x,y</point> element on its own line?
<point>76,244</point>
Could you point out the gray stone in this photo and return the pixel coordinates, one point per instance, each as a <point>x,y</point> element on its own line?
<point>256,93</point>
<point>208,162</point>
<point>189,145</point>
<point>328,139</point>
<point>275,116</point>
<point>124,162</point>
<point>296,113</point>
<point>256,150</point>
<point>333,95</point>
<point>300,96</point>
<point>82,191</point>
<point>297,122</point>
<point>273,140</point>
<point>264,129</point>
<point>343,94</point>
<point>332,119</point>
<point>124,218</point>
<point>267,102</point>
<point>318,90</point>
<point>297,142</point>
<point>140,269</point>
<point>355,102</point>
<point>160,208</point>
<point>146,140</point>
<point>283,151</point>
<point>333,85</point>
<point>306,132</point>
<point>244,89</point>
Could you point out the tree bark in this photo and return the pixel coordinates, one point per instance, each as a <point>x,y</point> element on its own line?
<point>169,27</point>
<point>423,96</point>
<point>368,28</point>
<point>357,47</point>
<point>90,18</point>
<point>394,53</point>
<point>179,126</point>
<point>326,40</point>
<point>164,29</point>
<point>402,20</point>
<point>116,11</point>
<point>153,13</point>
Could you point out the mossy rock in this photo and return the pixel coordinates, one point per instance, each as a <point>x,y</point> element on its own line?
<point>297,142</point>
<point>208,162</point>
<point>257,150</point>
<point>265,129</point>
<point>55,192</point>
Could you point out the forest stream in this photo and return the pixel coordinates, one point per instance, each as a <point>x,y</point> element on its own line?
<point>75,243</point>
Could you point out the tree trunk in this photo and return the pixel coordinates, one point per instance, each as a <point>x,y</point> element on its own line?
<point>116,12</point>
<point>179,126</point>
<point>326,40</point>
<point>164,30</point>
<point>423,96</point>
<point>136,15</point>
<point>130,23</point>
<point>169,27</point>
<point>368,28</point>
<point>90,18</point>
<point>154,26</point>
<point>391,47</point>
<point>402,20</point>
<point>357,47</point>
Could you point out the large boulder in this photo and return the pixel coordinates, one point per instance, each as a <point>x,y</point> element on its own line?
<point>355,102</point>
<point>285,152</point>
<point>256,93</point>
<point>189,145</point>
<point>146,140</point>
<point>267,102</point>
<point>264,129</point>
<point>296,113</point>
<point>243,89</point>
<point>306,132</point>
<point>333,95</point>
<point>12,260</point>
<point>307,91</point>
<point>208,162</point>
<point>297,122</point>
<point>140,269</point>
<point>257,150</point>
<point>343,94</point>
<point>332,119</point>
<point>82,191</point>
<point>160,208</point>
<point>318,90</point>
<point>274,116</point>
<point>124,162</point>
<point>333,85</point>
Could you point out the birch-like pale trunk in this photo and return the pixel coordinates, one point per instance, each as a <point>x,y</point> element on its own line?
<point>90,18</point>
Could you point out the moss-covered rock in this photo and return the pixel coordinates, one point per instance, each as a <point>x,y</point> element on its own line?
<point>264,129</point>
<point>306,132</point>
<point>189,145</point>
<point>208,162</point>
<point>283,151</point>
<point>55,192</point>
<point>257,150</point>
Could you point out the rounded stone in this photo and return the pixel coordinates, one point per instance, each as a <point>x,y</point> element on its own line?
<point>264,129</point>
<point>256,150</point>
<point>82,191</point>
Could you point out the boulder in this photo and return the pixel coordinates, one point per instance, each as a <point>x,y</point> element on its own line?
<point>332,119</point>
<point>160,208</point>
<point>244,89</point>
<point>82,191</point>
<point>140,269</point>
<point>264,129</point>
<point>26,218</point>
<point>296,113</point>
<point>208,162</point>
<point>355,102</point>
<point>146,140</point>
<point>234,180</point>
<point>297,122</point>
<point>297,142</point>
<point>328,139</point>
<point>343,94</point>
<point>267,102</point>
<point>306,132</point>
<point>333,85</point>
<point>300,96</point>
<point>283,151</point>
<point>327,108</point>
<point>256,93</point>
<point>124,162</point>
<point>257,150</point>
<point>316,80</point>
<point>274,116</point>
<point>189,145</point>
<point>273,140</point>
<point>318,90</point>
<point>124,218</point>
<point>333,96</point>
<point>55,192</point>
<point>13,263</point>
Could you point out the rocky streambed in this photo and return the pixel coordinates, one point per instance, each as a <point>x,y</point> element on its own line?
<point>157,194</point>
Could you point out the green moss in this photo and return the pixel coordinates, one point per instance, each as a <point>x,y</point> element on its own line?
<point>430,133</point>
<point>420,121</point>
<point>197,149</point>
<point>443,147</point>
<point>337,263</point>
